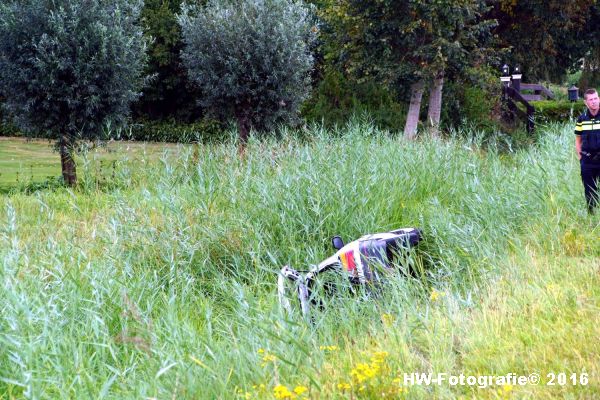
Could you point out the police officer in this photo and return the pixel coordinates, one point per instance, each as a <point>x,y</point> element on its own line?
<point>587,145</point>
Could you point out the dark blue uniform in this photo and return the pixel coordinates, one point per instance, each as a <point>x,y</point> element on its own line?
<point>588,128</point>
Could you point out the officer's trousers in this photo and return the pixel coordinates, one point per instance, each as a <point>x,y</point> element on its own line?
<point>590,175</point>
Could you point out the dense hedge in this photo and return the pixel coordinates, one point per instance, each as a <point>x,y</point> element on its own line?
<point>557,111</point>
<point>335,103</point>
<point>7,129</point>
<point>205,130</point>
<point>153,131</point>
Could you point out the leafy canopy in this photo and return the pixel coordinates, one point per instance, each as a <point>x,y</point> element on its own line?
<point>545,38</point>
<point>405,41</point>
<point>170,93</point>
<point>68,67</point>
<point>250,58</point>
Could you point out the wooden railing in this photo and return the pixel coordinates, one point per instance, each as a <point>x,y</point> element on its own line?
<point>538,92</point>
<point>512,95</point>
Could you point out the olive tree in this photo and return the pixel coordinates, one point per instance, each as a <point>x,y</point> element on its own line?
<point>68,67</point>
<point>250,58</point>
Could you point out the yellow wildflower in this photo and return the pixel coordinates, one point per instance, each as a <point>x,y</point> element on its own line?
<point>266,357</point>
<point>363,372</point>
<point>387,319</point>
<point>299,390</point>
<point>343,386</point>
<point>243,394</point>
<point>269,358</point>
<point>282,392</point>
<point>435,295</point>
<point>397,383</point>
<point>379,357</point>
<point>328,348</point>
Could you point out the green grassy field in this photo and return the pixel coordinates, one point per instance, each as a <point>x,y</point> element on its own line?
<point>156,277</point>
<point>26,162</point>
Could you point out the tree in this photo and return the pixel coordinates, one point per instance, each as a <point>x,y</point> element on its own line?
<point>170,93</point>
<point>251,59</point>
<point>589,63</point>
<point>453,35</point>
<point>410,43</point>
<point>69,67</point>
<point>545,37</point>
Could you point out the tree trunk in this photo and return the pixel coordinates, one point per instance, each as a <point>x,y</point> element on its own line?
<point>412,119</point>
<point>67,163</point>
<point>243,124</point>
<point>435,104</point>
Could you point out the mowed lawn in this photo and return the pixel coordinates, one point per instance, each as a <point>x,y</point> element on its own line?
<point>25,161</point>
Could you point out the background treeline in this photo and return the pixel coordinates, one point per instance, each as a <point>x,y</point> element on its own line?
<point>376,58</point>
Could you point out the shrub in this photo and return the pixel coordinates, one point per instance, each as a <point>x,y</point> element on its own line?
<point>206,130</point>
<point>472,98</point>
<point>8,129</point>
<point>336,99</point>
<point>470,104</point>
<point>557,111</point>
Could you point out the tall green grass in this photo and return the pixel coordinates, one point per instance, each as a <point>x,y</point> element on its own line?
<point>159,280</point>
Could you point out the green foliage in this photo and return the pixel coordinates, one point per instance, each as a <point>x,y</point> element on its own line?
<point>338,99</point>
<point>69,66</point>
<point>206,130</point>
<point>8,129</point>
<point>169,94</point>
<point>407,45</point>
<point>545,46</point>
<point>164,285</point>
<point>251,59</point>
<point>590,73</point>
<point>557,111</point>
<point>590,78</point>
<point>473,105</point>
<point>473,98</point>
<point>404,41</point>
<point>170,131</point>
<point>449,34</point>
<point>573,78</point>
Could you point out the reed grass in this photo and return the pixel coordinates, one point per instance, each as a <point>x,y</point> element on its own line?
<point>156,277</point>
